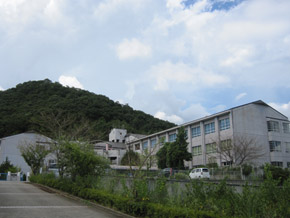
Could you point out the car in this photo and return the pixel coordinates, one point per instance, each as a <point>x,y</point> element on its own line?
<point>199,173</point>
<point>168,172</point>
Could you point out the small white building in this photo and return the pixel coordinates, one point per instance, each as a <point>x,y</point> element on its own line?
<point>115,148</point>
<point>9,148</point>
<point>114,151</point>
<point>117,135</point>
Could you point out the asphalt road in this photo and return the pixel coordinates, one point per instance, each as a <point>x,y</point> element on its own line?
<point>23,200</point>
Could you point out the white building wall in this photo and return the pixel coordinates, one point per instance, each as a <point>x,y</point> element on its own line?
<point>10,148</point>
<point>117,135</point>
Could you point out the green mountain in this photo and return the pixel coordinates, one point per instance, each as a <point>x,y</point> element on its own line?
<point>22,109</point>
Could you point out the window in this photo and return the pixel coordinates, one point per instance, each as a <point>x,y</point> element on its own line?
<point>137,146</point>
<point>145,145</point>
<point>275,146</point>
<point>286,127</point>
<point>52,163</point>
<point>195,131</point>
<point>210,148</point>
<point>277,163</point>
<point>209,128</point>
<point>162,140</point>
<point>172,137</point>
<point>287,145</point>
<point>196,150</point>
<point>186,133</point>
<point>227,163</point>
<point>288,164</point>
<point>273,126</point>
<point>153,143</point>
<point>224,124</point>
<point>226,145</point>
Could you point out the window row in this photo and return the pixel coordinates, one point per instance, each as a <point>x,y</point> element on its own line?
<point>275,146</point>
<point>210,127</point>
<point>273,126</point>
<point>212,147</point>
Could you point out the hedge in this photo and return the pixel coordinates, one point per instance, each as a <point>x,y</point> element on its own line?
<point>120,203</point>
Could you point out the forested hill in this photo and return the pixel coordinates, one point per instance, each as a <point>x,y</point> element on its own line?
<point>21,108</point>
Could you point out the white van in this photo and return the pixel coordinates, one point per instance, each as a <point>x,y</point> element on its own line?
<point>199,173</point>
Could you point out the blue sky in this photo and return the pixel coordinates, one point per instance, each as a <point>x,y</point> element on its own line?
<point>177,60</point>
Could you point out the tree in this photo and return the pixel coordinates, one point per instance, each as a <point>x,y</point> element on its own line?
<point>176,152</point>
<point>240,150</point>
<point>7,166</point>
<point>162,156</point>
<point>34,155</point>
<point>79,159</point>
<point>130,158</point>
<point>62,125</point>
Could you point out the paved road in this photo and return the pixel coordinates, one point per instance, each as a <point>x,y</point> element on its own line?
<point>23,200</point>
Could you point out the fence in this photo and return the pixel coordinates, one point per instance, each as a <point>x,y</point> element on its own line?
<point>228,173</point>
<point>10,176</point>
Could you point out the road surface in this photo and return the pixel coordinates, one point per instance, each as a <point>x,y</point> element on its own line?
<point>23,200</point>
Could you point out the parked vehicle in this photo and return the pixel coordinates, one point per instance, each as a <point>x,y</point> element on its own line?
<point>200,173</point>
<point>168,172</point>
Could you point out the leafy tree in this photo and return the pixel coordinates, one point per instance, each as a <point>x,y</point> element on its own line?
<point>80,160</point>
<point>162,156</point>
<point>6,166</point>
<point>176,152</point>
<point>34,155</point>
<point>130,158</point>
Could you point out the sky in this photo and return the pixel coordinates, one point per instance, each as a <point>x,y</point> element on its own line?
<point>178,60</point>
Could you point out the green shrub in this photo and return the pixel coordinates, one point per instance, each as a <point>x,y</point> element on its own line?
<point>181,176</point>
<point>277,173</point>
<point>247,169</point>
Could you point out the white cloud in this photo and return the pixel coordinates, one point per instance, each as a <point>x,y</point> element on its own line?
<point>108,8</point>
<point>130,89</point>
<point>194,111</point>
<point>171,118</point>
<point>238,56</point>
<point>70,81</point>
<point>284,108</point>
<point>238,97</point>
<point>167,72</point>
<point>132,48</point>
<point>1,89</point>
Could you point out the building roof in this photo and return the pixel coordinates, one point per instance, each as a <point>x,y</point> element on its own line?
<point>138,136</point>
<point>27,133</point>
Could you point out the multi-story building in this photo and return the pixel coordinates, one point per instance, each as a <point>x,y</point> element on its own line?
<point>255,132</point>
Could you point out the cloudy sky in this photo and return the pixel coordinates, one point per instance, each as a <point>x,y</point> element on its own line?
<point>177,60</point>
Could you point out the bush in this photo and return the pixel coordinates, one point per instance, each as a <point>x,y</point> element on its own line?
<point>181,176</point>
<point>277,173</point>
<point>247,169</point>
<point>141,208</point>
